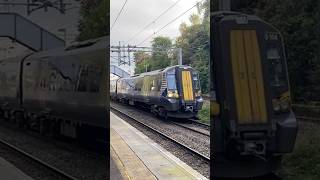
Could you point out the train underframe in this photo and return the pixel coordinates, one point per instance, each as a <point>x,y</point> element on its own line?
<point>169,108</point>
<point>56,127</point>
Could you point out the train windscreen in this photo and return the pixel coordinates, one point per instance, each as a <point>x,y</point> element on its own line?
<point>171,81</point>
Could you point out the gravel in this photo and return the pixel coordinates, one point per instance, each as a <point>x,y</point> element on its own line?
<point>195,127</point>
<point>179,133</point>
<point>66,156</point>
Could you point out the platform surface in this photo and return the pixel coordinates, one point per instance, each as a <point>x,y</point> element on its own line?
<point>9,172</point>
<point>115,172</point>
<point>138,157</point>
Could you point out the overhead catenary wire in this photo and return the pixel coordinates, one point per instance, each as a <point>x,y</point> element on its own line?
<point>163,27</point>
<point>153,21</point>
<point>119,13</point>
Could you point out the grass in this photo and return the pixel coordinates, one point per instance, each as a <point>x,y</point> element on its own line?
<point>204,113</point>
<point>304,162</point>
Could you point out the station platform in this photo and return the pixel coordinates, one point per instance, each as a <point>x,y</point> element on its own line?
<point>135,156</point>
<point>9,172</point>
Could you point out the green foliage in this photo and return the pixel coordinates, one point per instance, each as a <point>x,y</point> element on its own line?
<point>160,57</point>
<point>161,47</point>
<point>194,41</point>
<point>142,62</point>
<point>204,113</point>
<point>94,20</point>
<point>304,162</point>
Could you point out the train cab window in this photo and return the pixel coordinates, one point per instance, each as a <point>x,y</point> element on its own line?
<point>171,81</point>
<point>138,85</point>
<point>196,81</point>
<point>153,87</point>
<point>276,69</point>
<point>95,77</point>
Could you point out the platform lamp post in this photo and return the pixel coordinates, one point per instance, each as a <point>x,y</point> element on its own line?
<point>64,30</point>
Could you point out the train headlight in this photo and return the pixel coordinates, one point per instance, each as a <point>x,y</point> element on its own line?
<point>285,105</point>
<point>173,94</point>
<point>198,94</point>
<point>276,105</point>
<point>279,105</point>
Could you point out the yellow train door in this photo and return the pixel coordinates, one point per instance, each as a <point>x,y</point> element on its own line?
<point>187,86</point>
<point>248,77</point>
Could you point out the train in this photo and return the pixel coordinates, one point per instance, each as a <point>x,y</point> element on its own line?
<point>252,121</point>
<point>59,92</point>
<point>170,92</point>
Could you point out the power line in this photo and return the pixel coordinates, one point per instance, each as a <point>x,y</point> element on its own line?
<point>153,21</point>
<point>119,13</point>
<point>170,22</point>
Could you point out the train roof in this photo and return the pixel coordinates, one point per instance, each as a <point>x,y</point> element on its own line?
<point>156,71</point>
<point>74,48</point>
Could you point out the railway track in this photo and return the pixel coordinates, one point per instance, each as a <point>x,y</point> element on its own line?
<point>199,123</point>
<point>38,161</point>
<point>193,127</point>
<point>191,150</point>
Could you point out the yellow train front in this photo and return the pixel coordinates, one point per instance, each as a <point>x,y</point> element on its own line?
<point>253,124</point>
<point>170,92</point>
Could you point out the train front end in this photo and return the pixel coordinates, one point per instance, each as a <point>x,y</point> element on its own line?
<point>255,125</point>
<point>183,92</point>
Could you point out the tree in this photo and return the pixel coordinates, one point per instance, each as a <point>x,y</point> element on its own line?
<point>94,20</point>
<point>194,41</point>
<point>161,47</point>
<point>142,60</point>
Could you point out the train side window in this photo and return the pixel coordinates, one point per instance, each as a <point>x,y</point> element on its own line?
<point>95,77</point>
<point>153,84</point>
<point>83,78</point>
<point>196,80</point>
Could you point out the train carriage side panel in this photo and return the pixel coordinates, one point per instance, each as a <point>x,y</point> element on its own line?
<point>9,82</point>
<point>69,84</point>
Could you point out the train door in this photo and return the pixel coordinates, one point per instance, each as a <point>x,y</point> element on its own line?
<point>247,77</point>
<point>187,88</point>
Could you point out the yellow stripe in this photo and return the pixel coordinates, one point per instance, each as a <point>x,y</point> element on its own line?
<point>187,86</point>
<point>240,78</point>
<point>247,77</point>
<point>258,85</point>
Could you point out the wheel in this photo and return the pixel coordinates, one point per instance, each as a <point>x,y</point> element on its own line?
<point>163,113</point>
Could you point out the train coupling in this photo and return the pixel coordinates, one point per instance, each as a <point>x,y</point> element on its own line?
<point>254,147</point>
<point>188,108</point>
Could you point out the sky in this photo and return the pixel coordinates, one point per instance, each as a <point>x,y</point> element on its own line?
<point>139,13</point>
<point>52,20</point>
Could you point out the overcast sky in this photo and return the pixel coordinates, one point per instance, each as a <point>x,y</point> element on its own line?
<point>138,13</point>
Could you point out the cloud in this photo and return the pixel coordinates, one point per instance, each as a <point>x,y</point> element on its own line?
<point>138,13</point>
